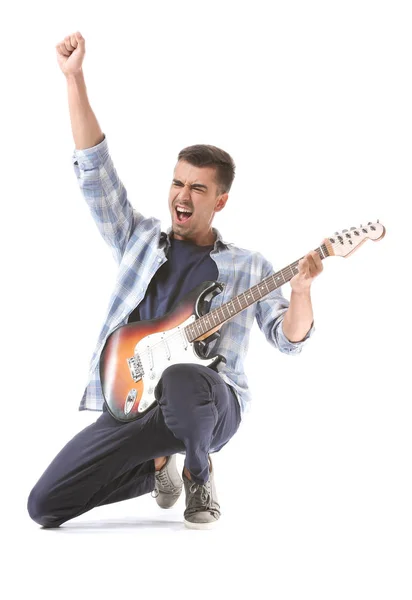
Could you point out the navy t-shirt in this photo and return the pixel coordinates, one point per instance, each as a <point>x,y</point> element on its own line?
<point>186,267</point>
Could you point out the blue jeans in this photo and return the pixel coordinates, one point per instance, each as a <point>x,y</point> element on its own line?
<point>109,461</point>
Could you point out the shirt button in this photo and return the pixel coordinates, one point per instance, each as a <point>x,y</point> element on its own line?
<point>159,259</point>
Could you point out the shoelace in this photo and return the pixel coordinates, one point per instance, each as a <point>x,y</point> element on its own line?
<point>163,479</point>
<point>200,499</point>
<point>205,496</point>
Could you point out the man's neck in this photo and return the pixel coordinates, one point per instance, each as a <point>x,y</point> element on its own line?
<point>209,240</point>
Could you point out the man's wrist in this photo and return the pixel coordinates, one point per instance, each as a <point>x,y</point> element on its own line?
<point>301,292</point>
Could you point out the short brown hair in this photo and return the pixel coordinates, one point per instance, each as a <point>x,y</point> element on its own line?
<point>205,155</point>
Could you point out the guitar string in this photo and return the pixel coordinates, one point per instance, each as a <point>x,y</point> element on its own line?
<point>157,345</point>
<point>177,334</point>
<point>145,352</point>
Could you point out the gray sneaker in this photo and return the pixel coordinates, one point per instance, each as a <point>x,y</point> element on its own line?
<point>202,507</point>
<point>168,484</point>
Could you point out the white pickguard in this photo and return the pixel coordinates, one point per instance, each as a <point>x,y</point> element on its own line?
<point>160,350</point>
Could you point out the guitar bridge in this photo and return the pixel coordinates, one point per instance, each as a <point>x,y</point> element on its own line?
<point>135,368</point>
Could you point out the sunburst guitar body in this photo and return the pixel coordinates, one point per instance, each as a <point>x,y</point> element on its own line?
<point>135,355</point>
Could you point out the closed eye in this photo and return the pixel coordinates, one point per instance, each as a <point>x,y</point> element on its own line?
<point>197,187</point>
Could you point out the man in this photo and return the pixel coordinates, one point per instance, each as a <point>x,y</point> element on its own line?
<point>198,409</point>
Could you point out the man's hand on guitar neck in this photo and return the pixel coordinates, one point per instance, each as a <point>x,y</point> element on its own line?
<point>309,267</point>
<point>298,318</point>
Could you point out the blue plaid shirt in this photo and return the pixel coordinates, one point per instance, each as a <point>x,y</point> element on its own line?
<point>138,245</point>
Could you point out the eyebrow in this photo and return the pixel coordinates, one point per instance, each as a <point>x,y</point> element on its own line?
<point>199,185</point>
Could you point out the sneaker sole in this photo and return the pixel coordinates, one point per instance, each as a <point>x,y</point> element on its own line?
<point>170,505</point>
<point>190,525</point>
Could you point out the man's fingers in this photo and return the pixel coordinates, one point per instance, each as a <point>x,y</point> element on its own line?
<point>68,44</point>
<point>315,262</point>
<point>303,266</point>
<point>311,265</point>
<point>318,260</point>
<point>62,49</point>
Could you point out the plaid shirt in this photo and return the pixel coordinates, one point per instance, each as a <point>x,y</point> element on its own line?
<point>139,247</point>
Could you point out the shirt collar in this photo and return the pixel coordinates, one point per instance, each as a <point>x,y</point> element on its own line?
<point>219,240</point>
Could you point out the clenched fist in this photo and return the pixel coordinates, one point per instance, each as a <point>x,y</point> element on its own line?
<point>70,53</point>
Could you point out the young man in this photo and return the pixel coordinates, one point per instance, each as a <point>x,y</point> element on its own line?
<point>198,409</point>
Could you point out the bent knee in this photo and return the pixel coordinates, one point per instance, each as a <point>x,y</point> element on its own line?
<point>178,369</point>
<point>38,508</point>
<point>183,387</point>
<point>182,372</point>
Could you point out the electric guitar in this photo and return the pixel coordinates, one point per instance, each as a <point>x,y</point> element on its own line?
<point>135,355</point>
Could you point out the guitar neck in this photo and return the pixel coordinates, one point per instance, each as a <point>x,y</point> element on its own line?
<point>205,325</point>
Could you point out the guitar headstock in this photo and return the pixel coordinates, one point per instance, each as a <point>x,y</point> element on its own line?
<point>345,242</point>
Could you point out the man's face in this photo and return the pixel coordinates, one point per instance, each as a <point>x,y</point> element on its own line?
<point>194,189</point>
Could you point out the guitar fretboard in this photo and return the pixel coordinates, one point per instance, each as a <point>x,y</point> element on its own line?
<point>230,309</point>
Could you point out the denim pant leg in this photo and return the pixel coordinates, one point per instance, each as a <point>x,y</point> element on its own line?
<point>200,409</point>
<point>108,461</point>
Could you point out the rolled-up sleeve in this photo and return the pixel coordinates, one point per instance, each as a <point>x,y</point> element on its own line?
<point>286,345</point>
<point>270,312</point>
<point>91,158</point>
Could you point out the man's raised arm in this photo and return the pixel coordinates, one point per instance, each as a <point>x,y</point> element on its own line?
<point>101,187</point>
<point>70,55</point>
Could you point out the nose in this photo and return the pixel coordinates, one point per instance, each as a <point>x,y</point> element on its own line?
<point>184,193</point>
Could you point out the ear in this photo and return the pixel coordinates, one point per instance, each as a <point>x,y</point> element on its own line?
<point>221,202</point>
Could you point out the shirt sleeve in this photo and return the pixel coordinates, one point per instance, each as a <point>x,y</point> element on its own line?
<point>270,312</point>
<point>106,196</point>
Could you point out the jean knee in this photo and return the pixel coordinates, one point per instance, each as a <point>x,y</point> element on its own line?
<point>37,507</point>
<point>182,383</point>
<point>179,370</point>
<point>182,373</point>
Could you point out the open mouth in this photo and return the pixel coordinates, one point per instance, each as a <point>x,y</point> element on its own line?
<point>183,215</point>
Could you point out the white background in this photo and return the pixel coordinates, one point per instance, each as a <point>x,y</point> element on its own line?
<point>313,101</point>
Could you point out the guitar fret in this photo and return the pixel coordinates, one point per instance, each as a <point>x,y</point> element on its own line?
<point>245,299</point>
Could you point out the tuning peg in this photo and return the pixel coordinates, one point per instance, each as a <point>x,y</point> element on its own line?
<point>344,230</point>
<point>352,228</point>
<point>377,221</point>
<point>336,233</point>
<point>370,223</point>
<point>360,225</point>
